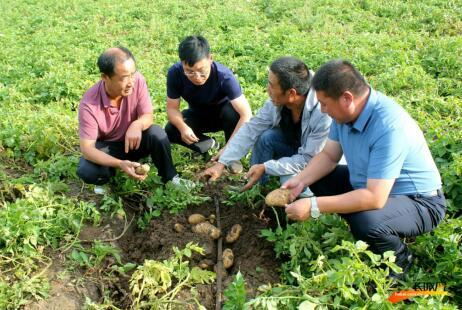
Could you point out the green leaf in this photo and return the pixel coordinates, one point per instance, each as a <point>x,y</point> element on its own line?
<point>307,305</point>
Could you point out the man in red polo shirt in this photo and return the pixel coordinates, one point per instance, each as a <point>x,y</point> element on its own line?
<point>116,124</point>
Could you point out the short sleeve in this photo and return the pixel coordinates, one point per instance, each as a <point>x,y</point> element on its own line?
<point>173,83</point>
<point>144,105</point>
<point>231,87</point>
<point>88,126</point>
<point>387,156</point>
<point>333,131</point>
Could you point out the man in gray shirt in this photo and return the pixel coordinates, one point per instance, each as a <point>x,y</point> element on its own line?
<point>287,131</point>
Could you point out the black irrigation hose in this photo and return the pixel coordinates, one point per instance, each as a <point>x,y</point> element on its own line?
<point>219,256</point>
<point>219,250</point>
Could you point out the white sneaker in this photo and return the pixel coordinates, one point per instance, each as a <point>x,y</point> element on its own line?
<point>215,146</point>
<point>183,183</point>
<point>99,190</point>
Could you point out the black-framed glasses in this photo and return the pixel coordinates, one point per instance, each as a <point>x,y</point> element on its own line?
<point>202,73</point>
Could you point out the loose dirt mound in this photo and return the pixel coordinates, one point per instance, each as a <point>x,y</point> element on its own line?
<point>253,255</point>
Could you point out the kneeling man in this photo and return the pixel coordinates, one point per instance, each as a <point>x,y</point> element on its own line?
<point>391,187</point>
<point>214,97</point>
<point>287,131</point>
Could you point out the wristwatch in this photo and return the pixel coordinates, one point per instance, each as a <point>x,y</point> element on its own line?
<point>315,213</point>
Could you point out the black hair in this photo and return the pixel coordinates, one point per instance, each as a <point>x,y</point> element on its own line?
<point>193,49</point>
<point>108,59</point>
<point>337,76</point>
<point>292,73</point>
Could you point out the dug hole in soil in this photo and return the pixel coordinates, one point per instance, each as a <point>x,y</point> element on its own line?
<point>253,255</point>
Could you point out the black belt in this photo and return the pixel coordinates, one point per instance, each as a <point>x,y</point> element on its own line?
<point>430,194</point>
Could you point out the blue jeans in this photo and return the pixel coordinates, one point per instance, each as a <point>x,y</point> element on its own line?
<point>272,144</point>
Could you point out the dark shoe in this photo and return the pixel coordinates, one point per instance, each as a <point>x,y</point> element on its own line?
<point>206,147</point>
<point>403,260</point>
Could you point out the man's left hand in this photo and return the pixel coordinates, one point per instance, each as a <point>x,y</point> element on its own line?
<point>254,174</point>
<point>299,210</point>
<point>133,136</point>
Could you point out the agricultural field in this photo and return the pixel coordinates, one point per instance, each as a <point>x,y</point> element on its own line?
<point>63,246</point>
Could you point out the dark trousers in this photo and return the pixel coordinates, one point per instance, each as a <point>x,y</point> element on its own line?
<point>154,142</point>
<point>383,229</point>
<point>212,119</point>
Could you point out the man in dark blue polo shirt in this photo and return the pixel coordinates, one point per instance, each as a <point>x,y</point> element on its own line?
<point>391,187</point>
<point>214,97</point>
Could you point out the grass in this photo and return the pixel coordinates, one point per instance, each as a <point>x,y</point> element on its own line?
<point>410,50</point>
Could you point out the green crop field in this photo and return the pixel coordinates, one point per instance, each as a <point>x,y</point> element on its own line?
<point>409,50</point>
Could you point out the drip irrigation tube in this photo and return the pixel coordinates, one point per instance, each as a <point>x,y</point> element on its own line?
<point>219,256</point>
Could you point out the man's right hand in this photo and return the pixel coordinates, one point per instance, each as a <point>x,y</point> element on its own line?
<point>129,168</point>
<point>253,175</point>
<point>295,185</point>
<point>214,172</point>
<point>188,136</point>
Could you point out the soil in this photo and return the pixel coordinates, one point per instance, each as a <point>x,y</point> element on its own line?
<point>253,256</point>
<point>68,289</point>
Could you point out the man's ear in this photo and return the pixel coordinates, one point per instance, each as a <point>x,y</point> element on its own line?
<point>292,93</point>
<point>348,98</point>
<point>104,77</point>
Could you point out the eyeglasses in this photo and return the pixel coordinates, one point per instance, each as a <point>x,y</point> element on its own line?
<point>201,74</point>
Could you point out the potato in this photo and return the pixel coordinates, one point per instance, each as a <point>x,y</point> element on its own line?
<point>212,218</point>
<point>178,228</point>
<point>194,219</point>
<point>207,229</point>
<point>206,264</point>
<point>228,258</point>
<point>278,198</point>
<point>142,169</point>
<point>234,233</point>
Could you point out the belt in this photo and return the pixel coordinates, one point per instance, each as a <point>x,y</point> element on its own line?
<point>430,194</point>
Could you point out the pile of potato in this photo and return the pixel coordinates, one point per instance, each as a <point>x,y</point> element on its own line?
<point>203,225</point>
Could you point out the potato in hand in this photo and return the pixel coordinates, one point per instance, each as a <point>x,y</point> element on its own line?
<point>278,198</point>
<point>142,169</point>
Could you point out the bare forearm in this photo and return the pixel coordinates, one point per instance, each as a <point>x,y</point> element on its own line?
<point>98,157</point>
<point>176,118</point>
<point>354,201</point>
<point>318,167</point>
<point>145,121</point>
<point>242,107</point>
